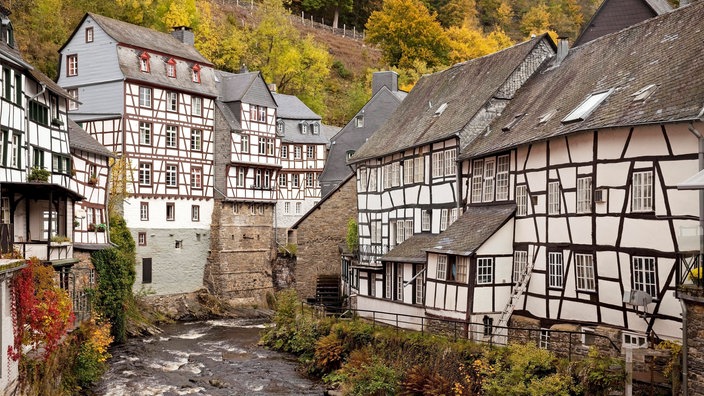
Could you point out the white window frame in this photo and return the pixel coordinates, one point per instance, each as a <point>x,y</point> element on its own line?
<point>282,180</point>
<point>408,171</point>
<point>196,140</point>
<point>241,175</point>
<point>395,174</point>
<point>244,143</point>
<point>584,272</point>
<point>171,178</point>
<point>399,282</point>
<point>488,180</point>
<point>450,164</point>
<point>554,198</point>
<point>145,174</point>
<point>555,270</point>
<point>145,133</point>
<point>642,191</point>
<point>145,97</point>
<point>284,151</point>
<point>644,275</point>
<point>444,219</point>
<point>633,340</point>
<point>502,179</point>
<point>73,93</point>
<point>441,267</point>
<point>544,341</point>
<point>462,264</point>
<point>172,101</point>
<point>195,212</point>
<point>295,180</point>
<point>520,264</point>
<point>197,104</point>
<point>584,194</point>
<point>485,270</point>
<point>298,208</point>
<point>297,152</point>
<point>400,236</point>
<point>196,177</point>
<point>144,211</point>
<point>310,152</point>
<point>420,287</point>
<point>362,180</point>
<point>171,136</point>
<point>72,65</point>
<point>438,164</point>
<point>373,181</point>
<point>375,230</point>
<point>477,182</point>
<point>419,169</point>
<point>287,207</point>
<point>425,220</point>
<point>521,200</point>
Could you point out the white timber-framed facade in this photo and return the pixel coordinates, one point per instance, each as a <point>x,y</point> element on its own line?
<point>149,97</point>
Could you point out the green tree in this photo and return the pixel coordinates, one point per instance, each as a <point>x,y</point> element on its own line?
<point>335,6</point>
<point>406,31</point>
<point>536,20</point>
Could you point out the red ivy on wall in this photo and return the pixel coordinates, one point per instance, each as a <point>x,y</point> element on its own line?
<point>41,310</point>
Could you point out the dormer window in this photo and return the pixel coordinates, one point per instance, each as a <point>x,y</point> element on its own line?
<point>547,116</point>
<point>144,62</point>
<point>280,127</point>
<point>359,121</point>
<point>9,32</point>
<point>513,122</point>
<point>644,93</point>
<point>195,74</point>
<point>304,127</point>
<point>581,112</point>
<point>171,68</point>
<point>316,128</point>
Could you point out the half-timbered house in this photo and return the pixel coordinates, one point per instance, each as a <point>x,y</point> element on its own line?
<point>303,152</point>
<point>36,200</point>
<point>149,97</point>
<point>578,176</point>
<point>247,162</point>
<point>408,181</point>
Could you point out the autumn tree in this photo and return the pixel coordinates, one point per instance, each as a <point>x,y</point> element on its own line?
<point>298,66</point>
<point>536,20</point>
<point>467,43</point>
<point>335,6</point>
<point>406,31</point>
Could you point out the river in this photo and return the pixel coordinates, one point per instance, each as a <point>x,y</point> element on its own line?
<point>217,357</point>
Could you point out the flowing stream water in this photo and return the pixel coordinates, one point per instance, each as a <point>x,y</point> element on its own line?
<point>217,357</point>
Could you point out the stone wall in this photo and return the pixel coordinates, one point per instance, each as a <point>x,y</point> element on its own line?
<point>319,235</point>
<point>694,301</point>
<point>239,266</point>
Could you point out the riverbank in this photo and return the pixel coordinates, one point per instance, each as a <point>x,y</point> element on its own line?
<point>154,311</point>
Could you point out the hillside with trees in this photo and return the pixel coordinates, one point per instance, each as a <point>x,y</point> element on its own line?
<point>329,73</point>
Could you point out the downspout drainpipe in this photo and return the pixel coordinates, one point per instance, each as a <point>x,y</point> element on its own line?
<point>685,346</point>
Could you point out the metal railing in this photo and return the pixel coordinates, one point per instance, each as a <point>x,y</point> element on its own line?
<point>563,342</point>
<point>689,271</point>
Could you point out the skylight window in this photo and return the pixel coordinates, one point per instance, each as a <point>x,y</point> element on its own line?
<point>587,107</point>
<point>441,109</point>
<point>513,122</point>
<point>644,93</point>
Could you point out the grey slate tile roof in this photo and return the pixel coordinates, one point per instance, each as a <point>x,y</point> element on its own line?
<point>376,111</point>
<point>244,87</point>
<point>614,15</point>
<point>80,139</point>
<point>229,116</point>
<point>465,87</point>
<point>411,250</point>
<point>142,37</point>
<point>472,229</point>
<point>665,51</point>
<point>292,111</point>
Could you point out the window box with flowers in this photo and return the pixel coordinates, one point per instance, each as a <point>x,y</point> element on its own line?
<point>100,227</point>
<point>93,179</point>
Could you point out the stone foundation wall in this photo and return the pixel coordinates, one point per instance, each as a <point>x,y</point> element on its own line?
<point>239,266</point>
<point>319,235</point>
<point>694,301</point>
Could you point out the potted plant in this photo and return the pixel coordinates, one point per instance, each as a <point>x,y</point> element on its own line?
<point>38,175</point>
<point>697,276</point>
<point>59,239</point>
<point>91,227</point>
<point>76,224</point>
<point>93,179</point>
<point>100,227</point>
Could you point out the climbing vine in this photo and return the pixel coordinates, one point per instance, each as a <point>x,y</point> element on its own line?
<point>41,311</point>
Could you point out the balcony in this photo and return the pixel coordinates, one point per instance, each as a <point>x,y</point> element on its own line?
<point>45,250</point>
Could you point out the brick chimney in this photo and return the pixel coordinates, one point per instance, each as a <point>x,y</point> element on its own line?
<point>183,34</point>
<point>388,79</point>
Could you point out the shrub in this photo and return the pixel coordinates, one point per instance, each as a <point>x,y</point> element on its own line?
<point>37,174</point>
<point>600,375</point>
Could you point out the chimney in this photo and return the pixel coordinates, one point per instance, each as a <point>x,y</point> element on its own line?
<point>563,47</point>
<point>183,34</point>
<point>272,87</point>
<point>388,79</point>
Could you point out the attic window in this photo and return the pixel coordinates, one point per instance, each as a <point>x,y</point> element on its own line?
<point>171,68</point>
<point>9,32</point>
<point>547,116</point>
<point>144,62</point>
<point>513,122</point>
<point>441,109</point>
<point>587,107</point>
<point>644,93</point>
<point>304,127</point>
<point>316,128</point>
<point>280,127</point>
<point>195,75</point>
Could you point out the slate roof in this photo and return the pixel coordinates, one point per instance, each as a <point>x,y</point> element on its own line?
<point>142,37</point>
<point>229,116</point>
<point>411,250</point>
<point>465,88</point>
<point>244,87</point>
<point>665,51</point>
<point>80,139</point>
<point>472,229</point>
<point>376,111</point>
<point>614,15</point>
<point>291,111</point>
